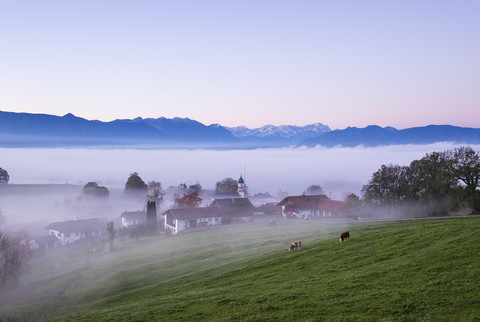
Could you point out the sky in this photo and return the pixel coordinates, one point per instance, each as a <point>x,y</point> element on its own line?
<point>250,62</point>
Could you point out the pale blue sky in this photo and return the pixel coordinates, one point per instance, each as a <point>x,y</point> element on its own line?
<point>341,63</point>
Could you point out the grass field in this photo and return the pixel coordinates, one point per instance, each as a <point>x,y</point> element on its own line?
<point>409,270</point>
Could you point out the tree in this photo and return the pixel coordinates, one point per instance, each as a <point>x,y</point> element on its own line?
<point>430,179</point>
<point>227,186</point>
<point>195,188</point>
<point>181,189</point>
<point>12,259</point>
<point>155,192</point>
<point>314,189</point>
<point>111,234</point>
<point>135,184</point>
<point>4,177</point>
<point>388,187</point>
<point>189,200</point>
<point>466,168</point>
<point>92,189</point>
<point>354,200</point>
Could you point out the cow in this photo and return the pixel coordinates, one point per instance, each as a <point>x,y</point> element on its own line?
<point>295,245</point>
<point>345,235</point>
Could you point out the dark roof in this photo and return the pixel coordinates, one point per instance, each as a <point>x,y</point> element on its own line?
<point>134,215</point>
<point>241,180</point>
<point>232,204</point>
<point>80,225</point>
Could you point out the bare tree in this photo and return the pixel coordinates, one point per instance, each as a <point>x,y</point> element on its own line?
<point>314,189</point>
<point>12,258</point>
<point>155,192</point>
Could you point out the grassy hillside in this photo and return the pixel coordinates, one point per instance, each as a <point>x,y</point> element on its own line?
<point>415,270</point>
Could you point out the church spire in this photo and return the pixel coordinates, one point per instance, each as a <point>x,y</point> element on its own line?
<point>241,187</point>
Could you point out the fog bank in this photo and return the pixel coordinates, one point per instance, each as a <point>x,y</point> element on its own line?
<point>337,170</point>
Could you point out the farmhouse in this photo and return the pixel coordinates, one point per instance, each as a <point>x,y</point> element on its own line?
<point>315,206</point>
<point>219,212</point>
<point>71,231</point>
<point>133,218</point>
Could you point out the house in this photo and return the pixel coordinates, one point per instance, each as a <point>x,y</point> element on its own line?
<point>71,231</point>
<point>133,218</point>
<point>179,219</point>
<point>219,212</point>
<point>315,206</point>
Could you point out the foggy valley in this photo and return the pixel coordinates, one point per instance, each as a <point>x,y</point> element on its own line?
<point>339,171</point>
<point>47,185</point>
<point>158,160</point>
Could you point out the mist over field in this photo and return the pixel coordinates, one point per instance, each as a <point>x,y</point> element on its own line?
<point>338,170</point>
<point>291,169</point>
<point>46,186</point>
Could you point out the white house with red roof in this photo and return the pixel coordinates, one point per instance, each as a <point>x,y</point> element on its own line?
<point>315,206</point>
<point>219,212</point>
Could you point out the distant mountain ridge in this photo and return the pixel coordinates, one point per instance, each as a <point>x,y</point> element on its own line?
<point>43,130</point>
<point>374,135</point>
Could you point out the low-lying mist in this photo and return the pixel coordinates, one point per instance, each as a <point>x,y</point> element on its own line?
<point>338,170</point>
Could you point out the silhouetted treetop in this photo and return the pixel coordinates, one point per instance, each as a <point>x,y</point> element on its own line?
<point>4,177</point>
<point>135,184</point>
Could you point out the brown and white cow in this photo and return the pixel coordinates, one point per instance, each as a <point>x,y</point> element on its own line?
<point>295,246</point>
<point>345,235</point>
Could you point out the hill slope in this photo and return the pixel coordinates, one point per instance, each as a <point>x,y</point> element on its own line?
<point>415,270</point>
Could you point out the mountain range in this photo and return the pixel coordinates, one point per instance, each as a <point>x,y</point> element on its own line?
<point>43,130</point>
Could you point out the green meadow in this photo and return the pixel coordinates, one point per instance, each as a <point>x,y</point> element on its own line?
<point>389,271</point>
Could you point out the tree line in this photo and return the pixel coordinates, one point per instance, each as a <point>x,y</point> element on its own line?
<point>434,185</point>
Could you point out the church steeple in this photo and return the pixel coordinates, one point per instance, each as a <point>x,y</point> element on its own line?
<point>241,187</point>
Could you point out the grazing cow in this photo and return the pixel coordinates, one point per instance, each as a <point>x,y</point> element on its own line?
<point>295,245</point>
<point>345,235</point>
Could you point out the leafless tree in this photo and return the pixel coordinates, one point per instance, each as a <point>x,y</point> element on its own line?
<point>13,256</point>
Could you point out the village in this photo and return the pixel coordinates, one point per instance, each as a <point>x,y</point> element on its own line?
<point>233,209</point>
